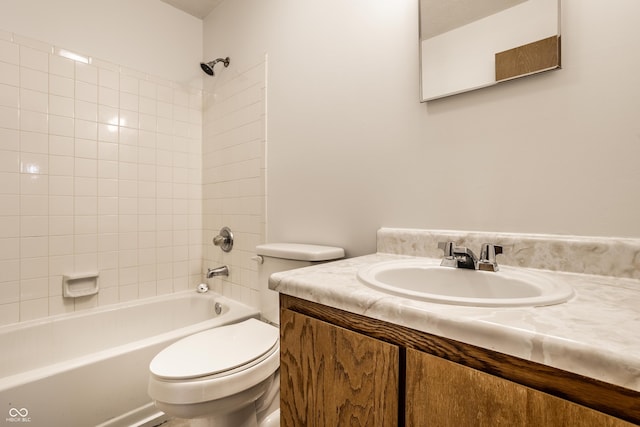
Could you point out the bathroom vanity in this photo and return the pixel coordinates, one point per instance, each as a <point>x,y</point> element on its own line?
<point>351,355</point>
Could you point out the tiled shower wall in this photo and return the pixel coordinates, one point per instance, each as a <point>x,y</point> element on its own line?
<point>100,170</point>
<point>234,140</point>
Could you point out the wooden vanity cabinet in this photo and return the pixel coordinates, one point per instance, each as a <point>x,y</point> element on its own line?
<point>446,394</point>
<point>342,369</point>
<point>331,376</point>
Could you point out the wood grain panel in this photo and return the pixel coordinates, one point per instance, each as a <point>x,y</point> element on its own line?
<point>445,394</point>
<point>530,58</point>
<point>604,397</point>
<point>331,376</point>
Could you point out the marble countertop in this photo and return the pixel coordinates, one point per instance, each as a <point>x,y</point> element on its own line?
<point>596,333</point>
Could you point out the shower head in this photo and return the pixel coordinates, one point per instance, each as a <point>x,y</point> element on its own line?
<point>208,66</point>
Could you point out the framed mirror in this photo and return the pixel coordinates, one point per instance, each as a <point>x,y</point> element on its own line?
<point>471,44</point>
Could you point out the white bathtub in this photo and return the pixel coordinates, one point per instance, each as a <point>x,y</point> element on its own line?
<point>91,368</point>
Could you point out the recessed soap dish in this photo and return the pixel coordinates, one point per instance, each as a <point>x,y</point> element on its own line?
<point>80,285</point>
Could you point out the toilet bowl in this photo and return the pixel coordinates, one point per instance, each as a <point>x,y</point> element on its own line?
<point>229,376</point>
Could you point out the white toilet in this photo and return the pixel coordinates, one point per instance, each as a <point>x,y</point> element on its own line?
<point>229,376</point>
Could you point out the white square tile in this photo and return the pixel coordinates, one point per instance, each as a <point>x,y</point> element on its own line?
<point>61,225</point>
<point>9,118</point>
<point>9,52</point>
<point>9,96</point>
<point>32,247</point>
<point>10,139</point>
<point>31,268</point>
<point>9,161</point>
<point>61,165</point>
<point>61,205</point>
<point>35,59</point>
<point>86,262</point>
<point>34,205</point>
<point>128,136</point>
<point>128,206</point>
<point>34,121</point>
<point>107,206</point>
<point>34,101</point>
<point>127,171</point>
<point>85,205</point>
<point>34,79</point>
<point>34,309</point>
<point>62,86</point>
<point>60,245</point>
<point>86,167</point>
<point>60,265</point>
<point>9,313</point>
<point>86,92</point>
<point>60,186</point>
<point>108,97</point>
<point>9,74</point>
<point>85,224</point>
<point>86,148</point>
<point>86,73</point>
<point>127,223</point>
<point>108,115</point>
<point>34,142</point>
<point>108,78</point>
<point>85,186</point>
<point>128,101</point>
<point>127,153</point>
<point>107,150</point>
<point>148,106</point>
<point>9,293</point>
<point>85,243</point>
<point>61,126</point>
<point>107,169</point>
<point>34,226</point>
<point>9,226</point>
<point>86,110</point>
<point>107,133</point>
<point>108,223</point>
<point>61,66</point>
<point>9,204</point>
<point>34,163</point>
<point>34,184</point>
<point>108,187</point>
<point>129,84</point>
<point>61,106</point>
<point>129,119</point>
<point>85,129</point>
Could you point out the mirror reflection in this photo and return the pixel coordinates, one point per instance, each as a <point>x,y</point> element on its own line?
<point>470,44</point>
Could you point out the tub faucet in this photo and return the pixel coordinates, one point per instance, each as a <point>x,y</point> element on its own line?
<point>219,271</point>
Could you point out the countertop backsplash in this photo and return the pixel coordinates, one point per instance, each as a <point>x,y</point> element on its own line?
<point>616,257</point>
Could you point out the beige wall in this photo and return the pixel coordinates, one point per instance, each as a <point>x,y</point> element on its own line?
<point>351,149</point>
<point>145,35</point>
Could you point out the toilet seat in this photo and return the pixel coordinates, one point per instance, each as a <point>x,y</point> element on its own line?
<point>215,363</point>
<point>218,351</point>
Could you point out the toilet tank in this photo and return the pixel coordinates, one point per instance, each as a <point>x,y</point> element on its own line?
<point>277,257</point>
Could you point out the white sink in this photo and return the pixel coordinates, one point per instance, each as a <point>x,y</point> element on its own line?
<point>426,280</point>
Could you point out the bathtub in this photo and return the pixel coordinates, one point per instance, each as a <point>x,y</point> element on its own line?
<point>91,368</point>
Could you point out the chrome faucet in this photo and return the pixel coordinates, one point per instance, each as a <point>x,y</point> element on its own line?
<point>220,271</point>
<point>463,257</point>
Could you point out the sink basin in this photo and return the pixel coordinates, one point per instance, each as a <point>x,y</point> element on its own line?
<point>426,280</point>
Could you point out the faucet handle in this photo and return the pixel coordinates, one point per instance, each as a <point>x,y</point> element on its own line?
<point>449,259</point>
<point>487,261</point>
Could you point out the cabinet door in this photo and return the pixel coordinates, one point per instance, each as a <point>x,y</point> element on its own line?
<point>442,393</point>
<point>331,376</point>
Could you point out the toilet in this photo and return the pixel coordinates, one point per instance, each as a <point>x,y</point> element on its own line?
<point>230,376</point>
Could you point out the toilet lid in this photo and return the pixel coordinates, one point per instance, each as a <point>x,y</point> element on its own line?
<point>215,351</point>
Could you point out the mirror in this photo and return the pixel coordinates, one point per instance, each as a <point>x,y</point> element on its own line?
<point>471,44</point>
